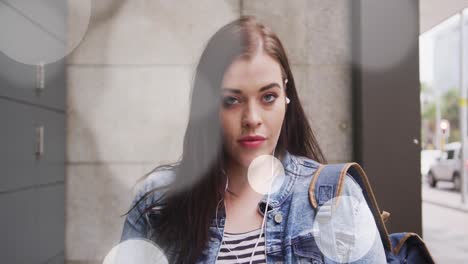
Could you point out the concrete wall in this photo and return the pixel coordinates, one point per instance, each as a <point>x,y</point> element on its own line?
<point>128,94</point>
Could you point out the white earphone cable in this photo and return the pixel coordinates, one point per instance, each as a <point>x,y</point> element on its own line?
<point>265,212</point>
<point>264,215</point>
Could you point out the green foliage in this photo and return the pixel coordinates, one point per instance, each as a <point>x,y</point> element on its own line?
<point>449,109</point>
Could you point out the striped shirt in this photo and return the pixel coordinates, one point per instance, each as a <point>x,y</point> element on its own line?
<point>238,247</point>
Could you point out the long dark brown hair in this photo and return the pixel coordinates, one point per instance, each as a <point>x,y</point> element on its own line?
<point>191,200</point>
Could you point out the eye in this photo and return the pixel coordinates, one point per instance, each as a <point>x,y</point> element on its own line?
<point>229,101</point>
<point>269,98</point>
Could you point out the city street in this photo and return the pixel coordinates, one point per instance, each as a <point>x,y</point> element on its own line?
<point>445,224</point>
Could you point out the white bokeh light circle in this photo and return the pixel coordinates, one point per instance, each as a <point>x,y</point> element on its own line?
<point>136,251</point>
<point>41,32</point>
<point>341,237</point>
<point>263,171</point>
<point>401,32</point>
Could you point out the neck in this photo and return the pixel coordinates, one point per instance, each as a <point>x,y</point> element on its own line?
<point>238,182</point>
<point>238,179</point>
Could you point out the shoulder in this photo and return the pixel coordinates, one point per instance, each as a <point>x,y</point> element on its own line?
<point>306,169</point>
<point>302,169</point>
<point>158,177</point>
<point>153,186</point>
<point>146,193</point>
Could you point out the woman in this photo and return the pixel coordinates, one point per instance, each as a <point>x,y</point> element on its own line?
<point>244,105</point>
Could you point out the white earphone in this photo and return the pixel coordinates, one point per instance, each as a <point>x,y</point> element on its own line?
<point>287,99</point>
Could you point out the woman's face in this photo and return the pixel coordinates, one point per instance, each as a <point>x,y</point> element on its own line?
<point>252,104</point>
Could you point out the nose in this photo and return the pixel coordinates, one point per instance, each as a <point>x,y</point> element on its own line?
<point>251,116</point>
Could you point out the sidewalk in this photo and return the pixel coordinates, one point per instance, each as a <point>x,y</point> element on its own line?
<point>445,224</point>
<point>443,195</point>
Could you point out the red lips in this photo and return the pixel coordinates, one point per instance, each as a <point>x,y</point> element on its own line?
<point>251,141</point>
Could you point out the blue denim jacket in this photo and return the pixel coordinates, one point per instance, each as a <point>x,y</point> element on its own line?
<point>290,236</point>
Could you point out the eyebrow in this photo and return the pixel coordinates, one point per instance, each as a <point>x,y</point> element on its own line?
<point>266,87</point>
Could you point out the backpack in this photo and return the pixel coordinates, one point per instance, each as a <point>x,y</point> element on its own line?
<point>327,183</point>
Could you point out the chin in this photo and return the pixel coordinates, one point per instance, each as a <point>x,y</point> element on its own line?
<point>246,157</point>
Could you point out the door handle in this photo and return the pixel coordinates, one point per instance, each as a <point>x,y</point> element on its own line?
<point>40,78</point>
<point>39,141</point>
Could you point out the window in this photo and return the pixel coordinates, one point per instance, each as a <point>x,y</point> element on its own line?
<point>450,154</point>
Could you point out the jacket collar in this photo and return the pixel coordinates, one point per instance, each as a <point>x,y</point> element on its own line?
<point>290,164</point>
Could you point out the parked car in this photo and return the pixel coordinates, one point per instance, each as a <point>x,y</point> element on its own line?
<point>428,157</point>
<point>447,166</point>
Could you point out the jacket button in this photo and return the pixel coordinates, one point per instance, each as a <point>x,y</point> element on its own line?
<point>278,218</point>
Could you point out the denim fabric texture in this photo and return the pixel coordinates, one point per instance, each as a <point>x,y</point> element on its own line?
<point>290,236</point>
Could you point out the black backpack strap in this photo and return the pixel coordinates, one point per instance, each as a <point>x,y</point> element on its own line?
<point>327,183</point>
